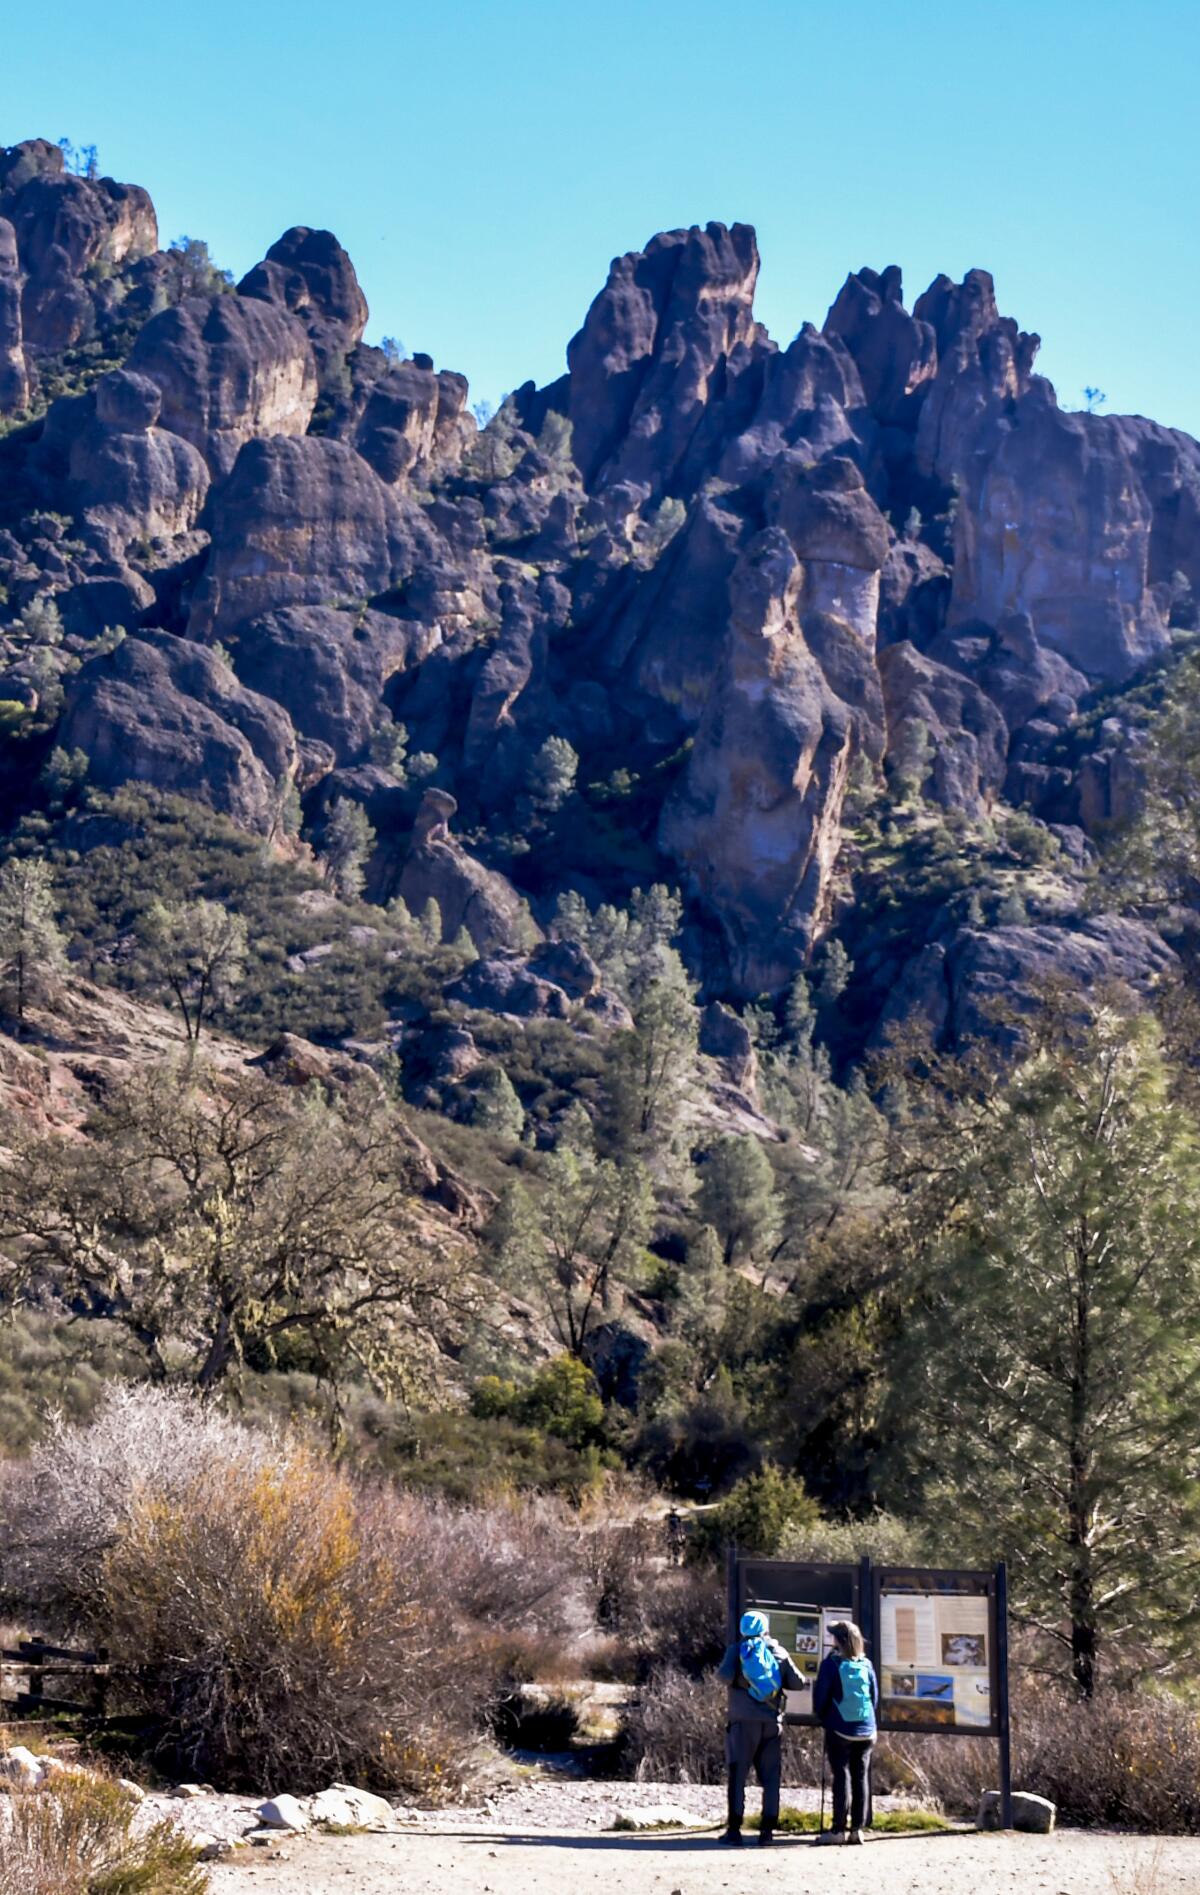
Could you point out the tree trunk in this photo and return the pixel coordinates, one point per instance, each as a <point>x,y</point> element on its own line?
<point>1082,1585</point>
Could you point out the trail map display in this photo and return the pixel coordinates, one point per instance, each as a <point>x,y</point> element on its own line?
<point>803,1631</point>
<point>801,1602</point>
<point>935,1658</point>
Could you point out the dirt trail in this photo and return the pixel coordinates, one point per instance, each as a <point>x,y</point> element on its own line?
<point>542,1862</point>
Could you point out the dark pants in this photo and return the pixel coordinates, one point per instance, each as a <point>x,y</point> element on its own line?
<point>850,1765</point>
<point>748,1743</point>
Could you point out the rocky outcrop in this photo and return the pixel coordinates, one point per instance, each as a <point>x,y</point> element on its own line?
<point>895,353</point>
<point>415,422</point>
<point>14,377</point>
<point>437,868</point>
<point>979,983</point>
<point>507,985</point>
<point>720,570</point>
<point>164,711</point>
<point>965,738</point>
<point>754,823</point>
<point>303,522</point>
<point>655,349</point>
<point>132,479</point>
<point>66,226</point>
<point>309,274</point>
<point>229,369</point>
<point>1057,526</point>
<point>328,669</point>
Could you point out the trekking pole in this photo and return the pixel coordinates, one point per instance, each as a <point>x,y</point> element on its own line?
<point>821,1820</point>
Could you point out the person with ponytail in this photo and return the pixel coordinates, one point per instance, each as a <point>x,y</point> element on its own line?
<point>846,1699</point>
<point>758,1671</point>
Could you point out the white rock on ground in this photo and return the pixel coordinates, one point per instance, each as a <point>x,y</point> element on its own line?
<point>284,1812</point>
<point>21,1767</point>
<point>655,1816</point>
<point>344,1806</point>
<point>1035,1814</point>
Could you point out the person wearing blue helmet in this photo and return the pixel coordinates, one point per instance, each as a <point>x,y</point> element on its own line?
<point>758,1671</point>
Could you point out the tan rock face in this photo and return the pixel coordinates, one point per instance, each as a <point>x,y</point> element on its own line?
<point>14,380</point>
<point>230,369</point>
<point>756,820</point>
<point>1058,526</point>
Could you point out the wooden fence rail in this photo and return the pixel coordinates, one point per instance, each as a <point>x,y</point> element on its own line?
<point>43,1663</point>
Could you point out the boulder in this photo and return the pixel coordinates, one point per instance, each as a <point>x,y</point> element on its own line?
<point>303,522</point>
<point>229,368</point>
<point>1035,1814</point>
<point>415,422</point>
<point>19,1767</point>
<point>506,985</point>
<point>655,1816</point>
<point>284,1812</point>
<point>968,738</point>
<point>164,711</point>
<point>568,966</point>
<point>437,868</point>
<point>130,478</point>
<point>328,668</point>
<point>308,273</point>
<point>345,1806</point>
<point>724,1035</point>
<point>979,982</point>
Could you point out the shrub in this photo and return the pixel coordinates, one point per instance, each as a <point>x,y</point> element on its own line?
<point>756,1516</point>
<point>1127,1759</point>
<point>80,1489</point>
<point>275,1619</point>
<point>76,1837</point>
<point>562,1399</point>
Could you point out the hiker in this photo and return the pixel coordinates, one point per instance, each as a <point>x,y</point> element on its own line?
<point>845,1699</point>
<point>758,1671</point>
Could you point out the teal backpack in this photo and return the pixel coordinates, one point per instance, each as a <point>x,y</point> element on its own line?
<point>759,1665</point>
<point>855,1697</point>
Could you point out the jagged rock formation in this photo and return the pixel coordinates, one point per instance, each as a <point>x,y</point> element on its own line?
<point>729,575</point>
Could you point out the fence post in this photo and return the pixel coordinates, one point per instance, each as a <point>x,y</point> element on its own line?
<point>1006,1801</point>
<point>34,1650</point>
<point>99,1684</point>
<point>731,1588</point>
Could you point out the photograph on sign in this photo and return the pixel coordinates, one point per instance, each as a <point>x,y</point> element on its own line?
<point>935,1660</point>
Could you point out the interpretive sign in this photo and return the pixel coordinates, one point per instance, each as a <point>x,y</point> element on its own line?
<point>936,1651</point>
<point>938,1639</point>
<point>801,1601</point>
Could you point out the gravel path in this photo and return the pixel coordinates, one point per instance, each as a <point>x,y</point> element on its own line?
<point>552,1838</point>
<point>538,1862</point>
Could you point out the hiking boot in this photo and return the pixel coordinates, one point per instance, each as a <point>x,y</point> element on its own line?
<point>855,1835</point>
<point>829,1835</point>
<point>732,1837</point>
<point>766,1838</point>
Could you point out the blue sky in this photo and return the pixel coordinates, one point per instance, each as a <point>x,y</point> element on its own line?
<point>482,162</point>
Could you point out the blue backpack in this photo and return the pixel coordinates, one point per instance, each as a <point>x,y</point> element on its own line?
<point>760,1667</point>
<point>854,1698</point>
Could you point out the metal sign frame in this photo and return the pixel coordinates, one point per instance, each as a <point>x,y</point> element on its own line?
<point>788,1585</point>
